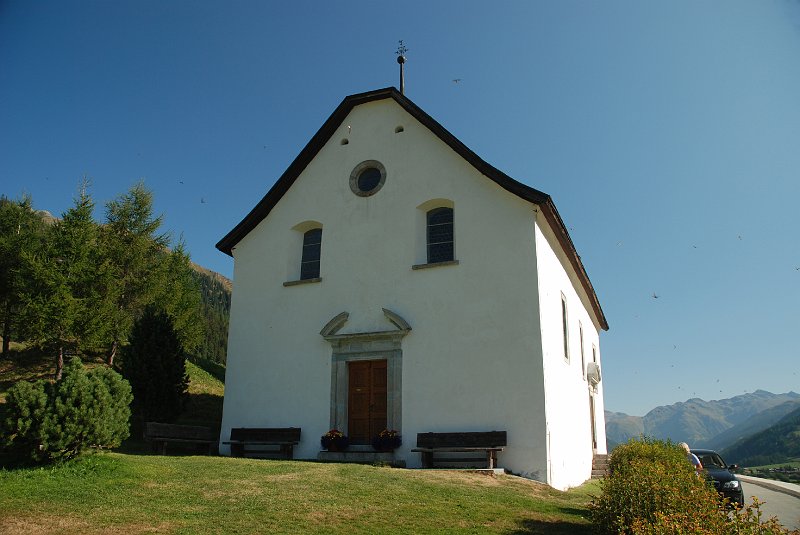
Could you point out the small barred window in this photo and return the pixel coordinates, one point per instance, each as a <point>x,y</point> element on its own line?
<point>440,235</point>
<point>312,244</point>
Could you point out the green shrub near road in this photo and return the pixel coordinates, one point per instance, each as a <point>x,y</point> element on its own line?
<point>652,489</point>
<point>648,477</point>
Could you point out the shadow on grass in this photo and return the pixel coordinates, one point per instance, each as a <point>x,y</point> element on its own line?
<point>26,364</point>
<point>32,364</point>
<point>565,527</point>
<point>214,368</point>
<point>530,527</point>
<point>138,446</point>
<point>202,409</point>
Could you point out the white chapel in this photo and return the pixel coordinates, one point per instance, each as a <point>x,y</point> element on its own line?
<point>391,259</point>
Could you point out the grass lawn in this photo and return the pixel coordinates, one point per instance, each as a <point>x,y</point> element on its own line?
<point>116,493</point>
<point>134,492</point>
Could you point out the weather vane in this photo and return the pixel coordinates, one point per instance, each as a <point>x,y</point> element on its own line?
<point>401,59</point>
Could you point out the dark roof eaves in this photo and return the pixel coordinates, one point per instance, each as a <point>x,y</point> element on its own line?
<point>562,235</point>
<point>506,182</point>
<point>281,186</point>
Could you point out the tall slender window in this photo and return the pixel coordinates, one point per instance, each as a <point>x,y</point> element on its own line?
<point>440,235</point>
<point>564,325</point>
<point>312,243</point>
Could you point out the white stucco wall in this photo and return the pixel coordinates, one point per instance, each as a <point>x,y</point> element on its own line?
<point>566,389</point>
<point>473,361</point>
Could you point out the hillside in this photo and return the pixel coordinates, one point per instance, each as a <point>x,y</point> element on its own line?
<point>206,383</point>
<point>620,427</point>
<point>697,421</point>
<point>115,493</point>
<point>751,426</point>
<point>215,291</point>
<point>776,444</point>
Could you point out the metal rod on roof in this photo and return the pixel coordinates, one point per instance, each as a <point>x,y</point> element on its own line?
<point>401,59</point>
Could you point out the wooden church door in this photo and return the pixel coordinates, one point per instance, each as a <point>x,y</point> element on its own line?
<point>366,400</point>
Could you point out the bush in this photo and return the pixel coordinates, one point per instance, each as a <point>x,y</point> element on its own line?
<point>653,490</point>
<point>49,422</point>
<point>746,521</point>
<point>155,365</point>
<point>647,477</point>
<point>23,415</point>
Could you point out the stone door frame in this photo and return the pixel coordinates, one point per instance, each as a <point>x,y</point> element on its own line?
<point>380,345</point>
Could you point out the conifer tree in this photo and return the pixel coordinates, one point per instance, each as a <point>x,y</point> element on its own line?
<point>59,306</point>
<point>155,365</point>
<point>179,296</point>
<point>21,234</point>
<point>56,421</point>
<point>134,250</point>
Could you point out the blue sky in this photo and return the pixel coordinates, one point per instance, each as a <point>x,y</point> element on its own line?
<point>667,133</point>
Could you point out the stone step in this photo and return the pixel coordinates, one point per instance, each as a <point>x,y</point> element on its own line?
<point>599,466</point>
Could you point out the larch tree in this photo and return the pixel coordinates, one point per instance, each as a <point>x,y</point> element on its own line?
<point>180,297</point>
<point>134,250</point>
<point>21,235</point>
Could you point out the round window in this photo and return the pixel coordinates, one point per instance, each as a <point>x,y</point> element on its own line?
<point>367,178</point>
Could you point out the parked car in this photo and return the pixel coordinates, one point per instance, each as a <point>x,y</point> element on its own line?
<point>721,474</point>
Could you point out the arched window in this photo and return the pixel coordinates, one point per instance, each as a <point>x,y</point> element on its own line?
<point>312,244</point>
<point>440,235</point>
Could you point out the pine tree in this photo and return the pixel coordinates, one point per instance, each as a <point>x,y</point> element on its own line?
<point>61,299</point>
<point>155,365</point>
<point>46,422</point>
<point>21,234</point>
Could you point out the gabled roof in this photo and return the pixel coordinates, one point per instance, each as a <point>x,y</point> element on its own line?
<point>282,185</point>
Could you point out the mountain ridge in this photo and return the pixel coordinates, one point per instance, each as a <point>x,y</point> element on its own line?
<point>776,444</point>
<point>699,422</point>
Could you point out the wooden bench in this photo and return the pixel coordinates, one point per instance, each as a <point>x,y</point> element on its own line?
<point>159,434</point>
<point>443,449</point>
<point>278,442</point>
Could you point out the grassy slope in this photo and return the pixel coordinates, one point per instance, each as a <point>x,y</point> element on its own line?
<point>23,364</point>
<point>132,493</point>
<point>206,391</point>
<point>136,493</point>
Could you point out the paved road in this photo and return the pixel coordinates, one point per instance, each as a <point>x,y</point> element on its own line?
<point>784,506</point>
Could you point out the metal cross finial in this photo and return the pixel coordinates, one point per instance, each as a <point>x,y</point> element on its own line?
<point>401,48</point>
<point>401,59</point>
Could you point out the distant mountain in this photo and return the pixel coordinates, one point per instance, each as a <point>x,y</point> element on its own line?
<point>215,291</point>
<point>621,427</point>
<point>696,421</point>
<point>751,426</point>
<point>776,444</point>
